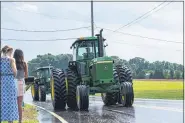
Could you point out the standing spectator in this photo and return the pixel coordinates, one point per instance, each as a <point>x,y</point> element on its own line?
<point>22,73</point>
<point>9,107</point>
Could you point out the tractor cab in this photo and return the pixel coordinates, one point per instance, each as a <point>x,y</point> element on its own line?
<point>87,53</point>
<point>43,73</point>
<point>88,48</point>
<point>85,49</point>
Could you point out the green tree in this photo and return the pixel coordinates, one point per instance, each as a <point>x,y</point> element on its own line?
<point>177,74</point>
<point>171,74</point>
<point>139,66</point>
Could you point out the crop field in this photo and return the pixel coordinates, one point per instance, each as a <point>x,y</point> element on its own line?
<point>158,89</point>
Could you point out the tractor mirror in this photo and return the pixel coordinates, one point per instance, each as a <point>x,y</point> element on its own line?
<point>106,45</point>
<point>29,80</point>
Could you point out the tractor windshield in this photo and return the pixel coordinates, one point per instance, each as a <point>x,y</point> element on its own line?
<point>87,50</point>
<point>44,73</point>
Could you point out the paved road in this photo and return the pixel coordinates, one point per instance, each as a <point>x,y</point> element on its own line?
<point>143,111</point>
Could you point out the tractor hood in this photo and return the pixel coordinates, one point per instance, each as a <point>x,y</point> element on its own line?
<point>101,70</point>
<point>105,59</point>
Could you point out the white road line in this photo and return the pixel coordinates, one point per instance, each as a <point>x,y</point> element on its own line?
<point>160,108</point>
<point>52,113</point>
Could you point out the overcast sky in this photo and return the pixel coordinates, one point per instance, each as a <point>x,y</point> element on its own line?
<point>166,23</point>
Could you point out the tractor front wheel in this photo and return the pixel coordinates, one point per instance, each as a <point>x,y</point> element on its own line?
<point>34,92</point>
<point>82,97</point>
<point>126,94</point>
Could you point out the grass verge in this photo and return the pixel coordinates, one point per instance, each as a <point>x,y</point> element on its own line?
<point>29,115</point>
<point>154,89</point>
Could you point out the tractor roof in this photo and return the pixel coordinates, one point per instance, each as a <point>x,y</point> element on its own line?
<point>41,68</point>
<point>84,39</point>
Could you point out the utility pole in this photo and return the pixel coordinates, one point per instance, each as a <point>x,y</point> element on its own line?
<point>92,19</point>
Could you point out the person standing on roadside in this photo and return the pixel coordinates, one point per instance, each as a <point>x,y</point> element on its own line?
<point>9,107</point>
<point>22,73</point>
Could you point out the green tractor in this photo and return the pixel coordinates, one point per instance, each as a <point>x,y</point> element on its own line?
<point>41,84</point>
<point>90,72</point>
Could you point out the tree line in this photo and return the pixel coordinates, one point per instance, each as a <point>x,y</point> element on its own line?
<point>141,68</point>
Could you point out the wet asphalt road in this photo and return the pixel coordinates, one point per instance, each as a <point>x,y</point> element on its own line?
<point>143,111</point>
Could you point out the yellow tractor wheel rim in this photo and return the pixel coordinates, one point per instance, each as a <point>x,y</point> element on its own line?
<point>52,89</point>
<point>66,84</point>
<point>123,97</point>
<point>32,90</point>
<point>77,98</point>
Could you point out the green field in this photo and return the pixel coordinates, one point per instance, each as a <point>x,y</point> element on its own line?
<point>162,89</point>
<point>158,89</point>
<point>29,115</point>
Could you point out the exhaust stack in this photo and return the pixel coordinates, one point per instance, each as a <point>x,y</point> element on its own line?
<point>100,43</point>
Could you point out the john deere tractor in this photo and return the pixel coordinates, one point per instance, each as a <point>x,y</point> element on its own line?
<point>90,72</point>
<point>41,84</point>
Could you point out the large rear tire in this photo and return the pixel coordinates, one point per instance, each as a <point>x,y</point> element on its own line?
<point>71,83</point>
<point>124,75</point>
<point>109,98</point>
<point>35,92</point>
<point>58,89</point>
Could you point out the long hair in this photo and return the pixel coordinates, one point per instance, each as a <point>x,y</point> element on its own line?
<point>19,59</point>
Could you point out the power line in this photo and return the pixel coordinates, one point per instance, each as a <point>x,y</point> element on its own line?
<point>140,16</point>
<point>50,40</point>
<point>46,15</point>
<point>150,14</point>
<point>142,36</point>
<point>44,30</point>
<point>35,40</point>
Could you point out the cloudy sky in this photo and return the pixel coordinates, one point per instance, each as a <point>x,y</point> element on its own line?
<point>164,22</point>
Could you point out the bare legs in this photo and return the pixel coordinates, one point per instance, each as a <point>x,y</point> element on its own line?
<point>19,101</point>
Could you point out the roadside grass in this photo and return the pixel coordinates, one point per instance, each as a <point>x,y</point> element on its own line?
<point>157,89</point>
<point>29,115</point>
